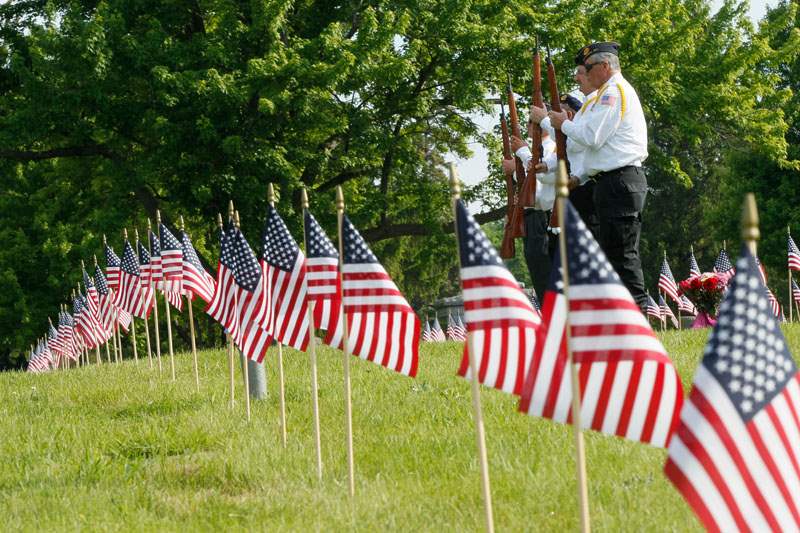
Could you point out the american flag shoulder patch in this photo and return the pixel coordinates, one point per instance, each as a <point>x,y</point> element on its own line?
<point>608,99</point>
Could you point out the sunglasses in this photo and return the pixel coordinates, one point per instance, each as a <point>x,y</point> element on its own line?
<point>590,66</point>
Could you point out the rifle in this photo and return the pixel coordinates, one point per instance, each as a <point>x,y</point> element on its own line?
<point>561,138</point>
<point>516,224</point>
<point>534,130</point>
<point>509,233</point>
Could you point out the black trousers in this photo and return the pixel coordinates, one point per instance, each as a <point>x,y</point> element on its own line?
<point>540,245</point>
<point>582,199</point>
<point>619,198</point>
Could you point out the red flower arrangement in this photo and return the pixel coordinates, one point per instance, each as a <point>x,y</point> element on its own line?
<point>705,291</point>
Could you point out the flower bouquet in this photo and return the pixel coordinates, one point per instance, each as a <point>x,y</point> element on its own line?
<point>705,291</point>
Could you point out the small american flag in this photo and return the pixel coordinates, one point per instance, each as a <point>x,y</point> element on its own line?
<point>687,306</point>
<point>451,327</point>
<point>666,281</point>
<point>723,263</point>
<point>694,269</point>
<point>735,453</point>
<point>653,309</point>
<point>132,297</point>
<point>90,323</point>
<point>112,268</point>
<point>666,311</point>
<point>427,334</point>
<point>438,334</point>
<point>628,384</point>
<point>144,265</point>
<point>221,307</point>
<point>171,260</point>
<point>284,267</point>
<point>498,313</point>
<point>324,285</point>
<point>106,309</point>
<point>65,331</point>
<point>250,290</point>
<point>155,258</point>
<point>382,326</point>
<point>775,306</point>
<point>795,291</point>
<point>794,255</point>
<point>196,281</point>
<point>53,341</point>
<point>93,303</point>
<point>461,331</point>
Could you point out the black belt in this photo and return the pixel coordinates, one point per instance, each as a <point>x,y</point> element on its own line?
<point>602,175</point>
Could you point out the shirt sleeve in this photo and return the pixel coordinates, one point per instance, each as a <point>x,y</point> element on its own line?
<point>525,155</point>
<point>551,160</point>
<point>546,125</point>
<point>599,122</point>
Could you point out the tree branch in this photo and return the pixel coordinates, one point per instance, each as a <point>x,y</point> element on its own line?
<point>391,231</point>
<point>91,150</point>
<point>344,176</point>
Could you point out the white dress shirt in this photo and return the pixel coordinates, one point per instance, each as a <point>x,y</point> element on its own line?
<point>575,151</point>
<point>545,183</point>
<point>611,128</point>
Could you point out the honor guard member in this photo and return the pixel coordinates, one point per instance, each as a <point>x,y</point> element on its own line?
<point>540,244</point>
<point>613,132</point>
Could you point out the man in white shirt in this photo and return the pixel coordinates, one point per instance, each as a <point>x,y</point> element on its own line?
<point>540,244</point>
<point>613,133</point>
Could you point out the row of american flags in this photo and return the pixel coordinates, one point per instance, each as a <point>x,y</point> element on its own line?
<point>733,445</point>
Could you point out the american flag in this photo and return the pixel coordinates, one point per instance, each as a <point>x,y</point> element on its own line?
<point>112,268</point>
<point>53,341</point>
<point>451,327</point>
<point>735,453</point>
<point>106,309</point>
<point>628,384</point>
<point>132,297</point>
<point>284,267</point>
<point>40,359</point>
<point>382,326</point>
<point>461,331</point>
<point>498,313</point>
<point>653,309</point>
<point>666,311</point>
<point>694,269</point>
<point>438,334</point>
<point>221,307</point>
<point>171,254</point>
<point>723,263</point>
<point>144,265</point>
<point>155,258</point>
<point>795,291</point>
<point>93,303</point>
<point>666,281</point>
<point>66,336</point>
<point>195,278</point>
<point>427,334</point>
<point>250,297</point>
<point>687,306</point>
<point>324,285</point>
<point>775,306</point>
<point>794,255</point>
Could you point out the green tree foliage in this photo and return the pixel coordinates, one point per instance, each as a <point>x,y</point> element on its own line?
<point>112,109</point>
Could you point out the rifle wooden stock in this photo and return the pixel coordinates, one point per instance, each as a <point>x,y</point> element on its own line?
<point>507,248</point>
<point>528,194</point>
<point>561,138</point>
<point>516,223</point>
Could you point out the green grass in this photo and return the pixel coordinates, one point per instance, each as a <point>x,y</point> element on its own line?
<point>118,447</point>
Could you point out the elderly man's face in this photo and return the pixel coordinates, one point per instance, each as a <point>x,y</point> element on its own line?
<point>598,72</point>
<point>583,80</point>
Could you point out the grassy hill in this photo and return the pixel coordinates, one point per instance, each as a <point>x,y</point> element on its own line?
<point>118,447</point>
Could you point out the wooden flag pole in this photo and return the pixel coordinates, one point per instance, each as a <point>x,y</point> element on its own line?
<point>791,295</point>
<point>119,354</point>
<point>169,318</point>
<point>480,435</point>
<point>155,298</point>
<point>661,294</point>
<point>281,387</point>
<point>191,329</point>
<point>583,492</point>
<point>147,316</point>
<point>231,368</point>
<point>133,318</point>
<point>245,370</point>
<point>750,231</point>
<point>312,349</point>
<point>228,335</point>
<point>348,406</point>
